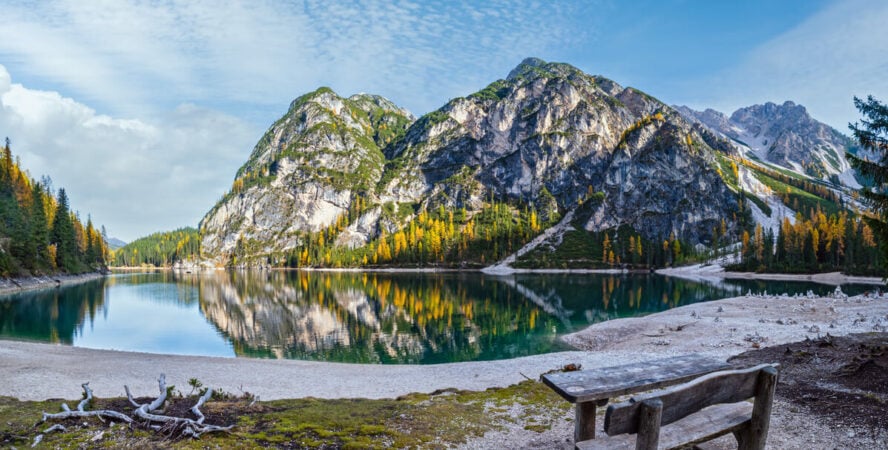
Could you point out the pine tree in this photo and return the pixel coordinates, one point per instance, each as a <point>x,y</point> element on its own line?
<point>39,227</point>
<point>872,134</point>
<point>62,234</point>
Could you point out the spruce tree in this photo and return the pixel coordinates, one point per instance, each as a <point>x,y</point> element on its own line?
<point>39,227</point>
<point>62,235</point>
<point>872,163</point>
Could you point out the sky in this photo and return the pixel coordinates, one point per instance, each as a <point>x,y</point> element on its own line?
<point>144,110</point>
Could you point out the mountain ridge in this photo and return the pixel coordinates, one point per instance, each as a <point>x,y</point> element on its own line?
<point>786,135</point>
<point>357,180</point>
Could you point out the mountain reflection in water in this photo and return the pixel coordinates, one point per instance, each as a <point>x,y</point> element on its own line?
<point>398,318</point>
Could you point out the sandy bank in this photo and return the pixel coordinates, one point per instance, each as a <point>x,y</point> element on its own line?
<point>723,328</point>
<point>14,285</point>
<point>37,371</point>
<point>715,272</point>
<point>731,326</point>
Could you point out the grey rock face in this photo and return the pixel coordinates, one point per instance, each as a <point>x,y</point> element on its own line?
<point>785,135</point>
<point>548,135</point>
<point>303,174</point>
<point>551,131</point>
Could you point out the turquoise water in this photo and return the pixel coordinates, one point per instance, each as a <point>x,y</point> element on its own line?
<point>404,318</point>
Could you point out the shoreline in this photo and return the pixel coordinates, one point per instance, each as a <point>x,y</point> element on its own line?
<point>722,328</point>
<point>696,272</point>
<point>714,273</point>
<point>9,286</point>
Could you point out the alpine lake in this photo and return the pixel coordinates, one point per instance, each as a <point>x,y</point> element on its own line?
<point>356,317</point>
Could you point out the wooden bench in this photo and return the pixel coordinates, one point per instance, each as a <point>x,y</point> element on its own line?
<point>703,409</point>
<point>590,389</point>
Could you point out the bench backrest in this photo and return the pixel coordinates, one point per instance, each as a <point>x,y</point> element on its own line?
<point>728,386</point>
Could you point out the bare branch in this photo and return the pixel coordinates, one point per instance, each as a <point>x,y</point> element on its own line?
<point>87,399</point>
<point>97,413</point>
<point>185,427</point>
<point>196,408</point>
<point>129,396</point>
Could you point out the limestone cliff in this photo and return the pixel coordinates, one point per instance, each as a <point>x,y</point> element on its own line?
<point>303,173</point>
<point>548,136</point>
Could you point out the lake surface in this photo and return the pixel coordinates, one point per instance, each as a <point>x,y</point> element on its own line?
<point>404,318</point>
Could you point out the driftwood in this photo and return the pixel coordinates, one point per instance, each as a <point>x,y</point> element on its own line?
<point>187,427</point>
<point>82,412</point>
<point>147,412</point>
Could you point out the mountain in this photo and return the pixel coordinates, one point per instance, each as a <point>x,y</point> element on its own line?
<point>306,171</point>
<point>551,136</point>
<point>161,249</point>
<point>784,135</point>
<point>548,139</point>
<point>114,243</point>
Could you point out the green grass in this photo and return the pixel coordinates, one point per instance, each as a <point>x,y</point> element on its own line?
<point>798,199</point>
<point>437,420</point>
<point>786,172</point>
<point>760,203</point>
<point>727,172</point>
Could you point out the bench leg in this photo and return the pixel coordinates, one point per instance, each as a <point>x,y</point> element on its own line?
<point>584,420</point>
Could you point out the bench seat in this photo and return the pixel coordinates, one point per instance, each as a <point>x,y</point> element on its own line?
<point>706,424</point>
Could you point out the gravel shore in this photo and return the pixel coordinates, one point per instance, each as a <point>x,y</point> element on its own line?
<point>14,285</point>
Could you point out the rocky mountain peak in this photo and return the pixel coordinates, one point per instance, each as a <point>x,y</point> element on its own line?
<point>783,134</point>
<point>547,138</point>
<point>786,115</point>
<point>525,66</point>
<point>533,68</point>
<point>550,136</point>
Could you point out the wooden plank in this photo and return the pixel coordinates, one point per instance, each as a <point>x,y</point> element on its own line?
<point>755,435</point>
<point>649,425</point>
<point>729,386</point>
<point>584,421</point>
<point>702,426</point>
<point>607,382</point>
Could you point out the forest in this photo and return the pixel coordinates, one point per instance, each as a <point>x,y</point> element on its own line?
<point>160,249</point>
<point>439,238</point>
<point>813,243</point>
<point>39,234</point>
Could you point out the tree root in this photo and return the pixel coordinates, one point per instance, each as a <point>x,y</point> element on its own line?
<point>170,425</point>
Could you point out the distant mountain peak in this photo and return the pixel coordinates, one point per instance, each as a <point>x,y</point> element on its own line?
<point>785,135</point>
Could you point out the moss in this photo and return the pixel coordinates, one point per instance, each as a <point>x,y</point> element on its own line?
<point>444,418</point>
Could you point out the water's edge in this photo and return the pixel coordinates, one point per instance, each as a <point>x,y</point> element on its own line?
<point>10,286</point>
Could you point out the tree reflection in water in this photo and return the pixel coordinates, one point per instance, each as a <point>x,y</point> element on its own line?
<point>396,318</point>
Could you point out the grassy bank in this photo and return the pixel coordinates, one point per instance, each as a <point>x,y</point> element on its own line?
<point>434,420</point>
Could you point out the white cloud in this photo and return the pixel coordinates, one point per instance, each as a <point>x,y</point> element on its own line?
<point>840,52</point>
<point>5,80</point>
<point>127,57</point>
<point>166,164</point>
<point>134,176</point>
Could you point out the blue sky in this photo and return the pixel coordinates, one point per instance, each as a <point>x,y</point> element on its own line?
<point>144,110</point>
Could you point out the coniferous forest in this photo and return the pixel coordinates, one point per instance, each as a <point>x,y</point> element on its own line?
<point>39,234</point>
<point>160,249</point>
